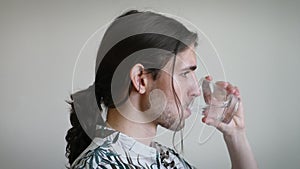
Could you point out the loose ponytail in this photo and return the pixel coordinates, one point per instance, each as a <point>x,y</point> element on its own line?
<point>85,115</point>
<point>77,139</point>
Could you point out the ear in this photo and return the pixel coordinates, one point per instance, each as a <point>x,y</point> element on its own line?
<point>138,78</point>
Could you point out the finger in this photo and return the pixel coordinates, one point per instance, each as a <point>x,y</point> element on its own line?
<point>230,88</point>
<point>222,84</point>
<point>237,92</point>
<point>233,90</point>
<point>209,78</point>
<point>224,128</point>
<point>210,121</point>
<point>240,111</point>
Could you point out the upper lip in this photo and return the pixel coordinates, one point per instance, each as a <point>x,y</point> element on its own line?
<point>204,111</point>
<point>189,105</point>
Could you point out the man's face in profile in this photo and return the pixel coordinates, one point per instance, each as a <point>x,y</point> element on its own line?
<point>185,86</point>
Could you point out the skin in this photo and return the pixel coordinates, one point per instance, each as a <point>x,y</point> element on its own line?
<point>234,134</point>
<point>138,106</point>
<point>185,85</point>
<point>186,88</point>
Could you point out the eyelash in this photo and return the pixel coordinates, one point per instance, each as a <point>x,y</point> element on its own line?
<point>184,74</point>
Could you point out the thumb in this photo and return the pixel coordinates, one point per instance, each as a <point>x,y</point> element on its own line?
<point>211,121</point>
<point>223,127</point>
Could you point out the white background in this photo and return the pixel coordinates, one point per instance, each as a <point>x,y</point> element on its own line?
<point>39,41</point>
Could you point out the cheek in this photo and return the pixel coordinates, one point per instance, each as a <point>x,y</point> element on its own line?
<point>169,116</point>
<point>166,87</point>
<point>179,86</point>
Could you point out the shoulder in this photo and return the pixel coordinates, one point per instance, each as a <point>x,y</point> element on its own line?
<point>170,157</point>
<point>99,154</point>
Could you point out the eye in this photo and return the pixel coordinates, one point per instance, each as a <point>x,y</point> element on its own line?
<point>184,74</point>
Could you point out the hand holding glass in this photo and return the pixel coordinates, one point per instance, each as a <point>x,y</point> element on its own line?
<point>220,105</point>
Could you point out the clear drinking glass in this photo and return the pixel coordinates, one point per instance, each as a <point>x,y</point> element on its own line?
<point>220,105</point>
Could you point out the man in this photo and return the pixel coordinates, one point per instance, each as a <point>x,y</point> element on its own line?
<point>145,76</point>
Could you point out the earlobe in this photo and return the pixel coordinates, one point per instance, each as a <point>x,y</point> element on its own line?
<point>138,79</point>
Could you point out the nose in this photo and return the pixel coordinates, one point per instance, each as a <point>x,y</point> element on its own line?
<point>195,88</point>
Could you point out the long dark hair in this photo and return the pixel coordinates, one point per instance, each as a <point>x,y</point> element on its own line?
<point>174,38</point>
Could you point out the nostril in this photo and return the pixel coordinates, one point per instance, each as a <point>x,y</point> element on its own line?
<point>197,92</point>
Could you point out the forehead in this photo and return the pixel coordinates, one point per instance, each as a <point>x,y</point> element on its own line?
<point>185,58</point>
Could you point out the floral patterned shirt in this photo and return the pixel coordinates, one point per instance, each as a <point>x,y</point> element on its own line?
<point>119,151</point>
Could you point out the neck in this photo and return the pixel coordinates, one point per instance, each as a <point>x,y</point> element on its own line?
<point>142,132</point>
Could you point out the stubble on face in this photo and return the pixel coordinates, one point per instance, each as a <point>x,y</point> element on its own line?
<point>178,96</point>
<point>171,119</point>
<point>172,116</point>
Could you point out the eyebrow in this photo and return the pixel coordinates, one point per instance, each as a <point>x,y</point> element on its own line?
<point>192,68</point>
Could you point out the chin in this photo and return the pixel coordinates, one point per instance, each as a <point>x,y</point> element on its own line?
<point>175,126</point>
<point>170,120</point>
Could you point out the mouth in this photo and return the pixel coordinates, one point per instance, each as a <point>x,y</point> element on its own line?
<point>187,113</point>
<point>205,111</point>
<point>189,108</point>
